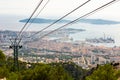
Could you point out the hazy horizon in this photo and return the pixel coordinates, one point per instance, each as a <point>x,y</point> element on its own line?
<point>11,22</point>
<point>14,10</point>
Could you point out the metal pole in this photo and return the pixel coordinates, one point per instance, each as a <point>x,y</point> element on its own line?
<point>15,46</point>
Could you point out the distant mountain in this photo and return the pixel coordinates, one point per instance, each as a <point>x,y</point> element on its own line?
<point>90,21</point>
<point>41,20</point>
<point>99,21</point>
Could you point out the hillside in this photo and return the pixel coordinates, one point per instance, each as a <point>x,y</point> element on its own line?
<point>89,21</point>
<point>41,20</point>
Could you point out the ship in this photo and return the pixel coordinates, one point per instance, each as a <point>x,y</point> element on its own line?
<point>101,40</point>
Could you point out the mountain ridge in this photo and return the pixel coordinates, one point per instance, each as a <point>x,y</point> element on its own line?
<point>89,21</point>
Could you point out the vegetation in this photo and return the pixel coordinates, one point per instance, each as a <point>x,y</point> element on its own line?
<point>46,72</point>
<point>106,72</point>
<point>2,56</point>
<point>3,69</point>
<point>32,72</point>
<point>74,70</point>
<point>54,71</point>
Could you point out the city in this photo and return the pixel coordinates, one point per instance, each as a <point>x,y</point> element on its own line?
<point>59,40</point>
<point>63,49</point>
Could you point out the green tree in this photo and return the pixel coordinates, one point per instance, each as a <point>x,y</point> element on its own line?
<point>3,69</point>
<point>2,57</point>
<point>58,73</point>
<point>3,72</point>
<point>41,72</point>
<point>46,72</point>
<point>14,76</point>
<point>76,71</point>
<point>105,72</point>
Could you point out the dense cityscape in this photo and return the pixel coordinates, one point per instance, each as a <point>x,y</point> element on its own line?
<point>61,49</point>
<point>59,40</point>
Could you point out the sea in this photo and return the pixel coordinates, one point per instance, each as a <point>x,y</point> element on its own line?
<point>92,30</point>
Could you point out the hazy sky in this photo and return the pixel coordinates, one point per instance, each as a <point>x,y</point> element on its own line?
<point>11,11</point>
<point>57,8</point>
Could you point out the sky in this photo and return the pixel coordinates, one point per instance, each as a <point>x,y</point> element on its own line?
<point>11,11</point>
<point>57,8</point>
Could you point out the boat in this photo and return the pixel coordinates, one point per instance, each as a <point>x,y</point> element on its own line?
<point>101,40</point>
